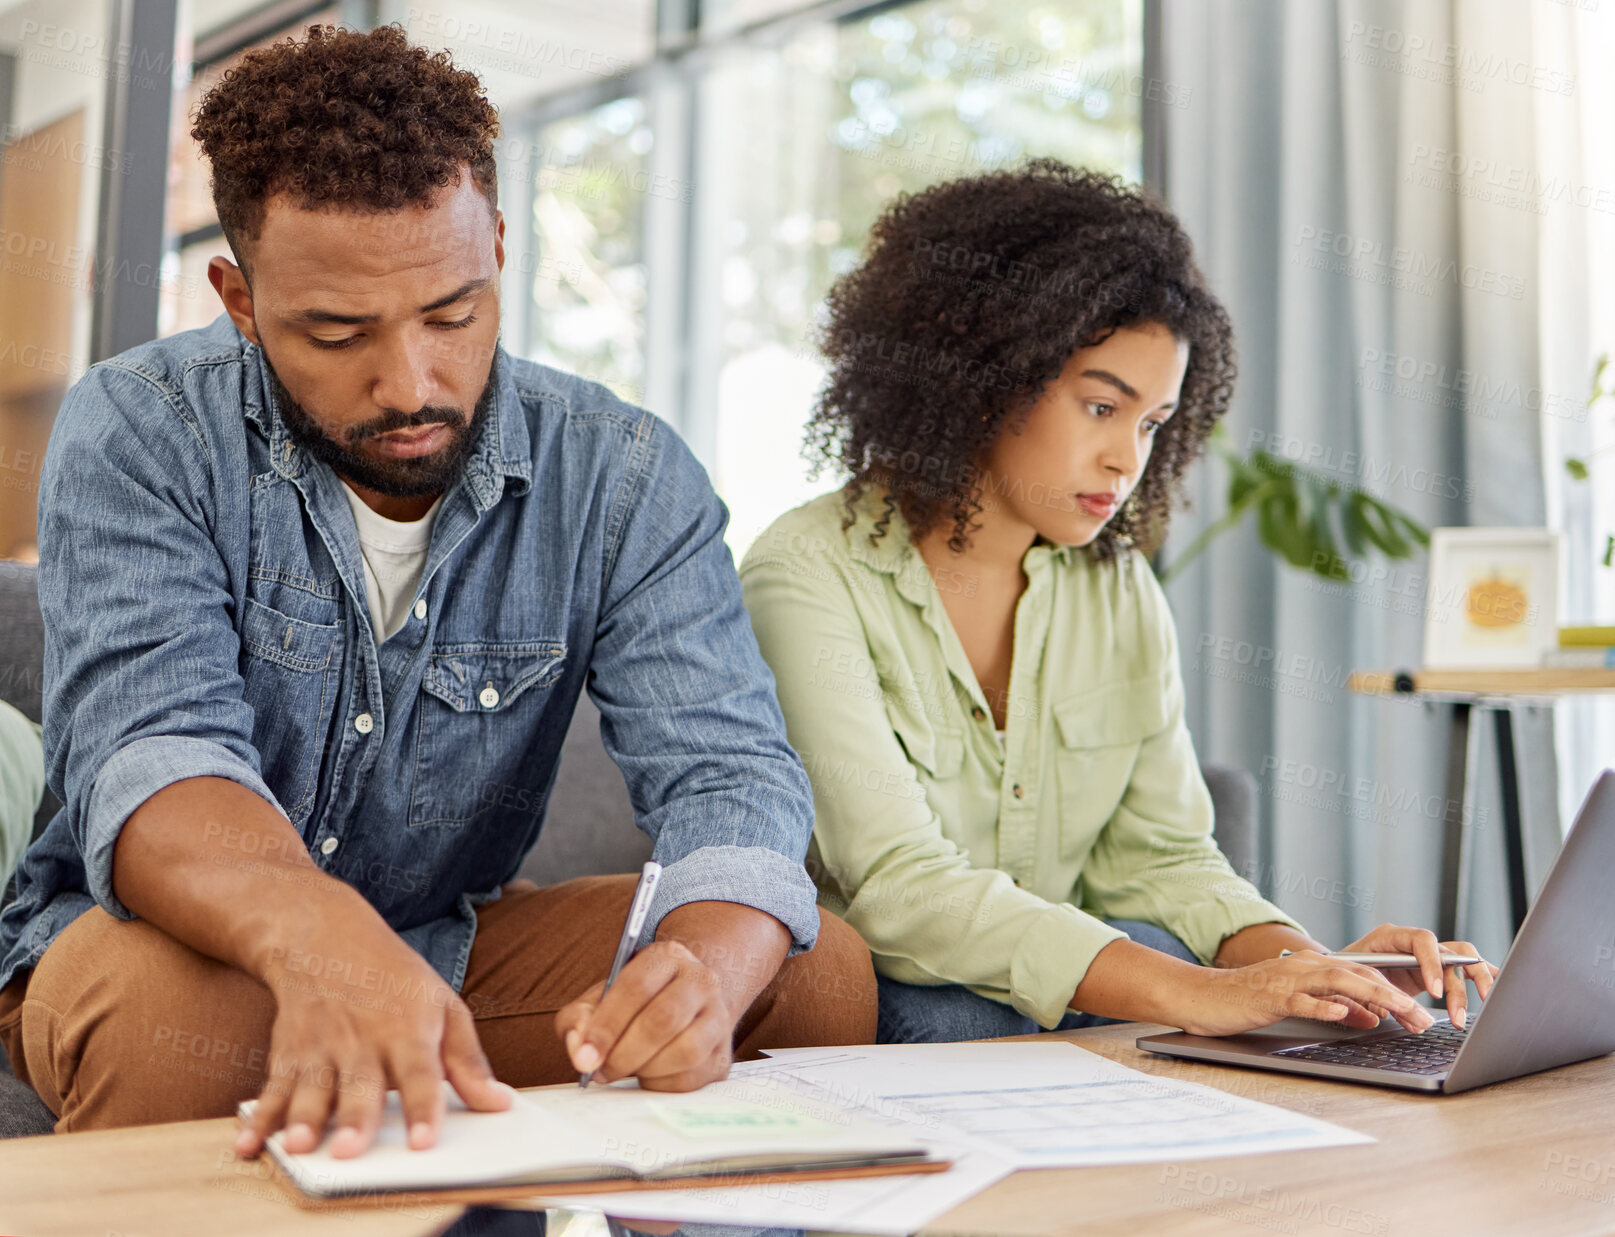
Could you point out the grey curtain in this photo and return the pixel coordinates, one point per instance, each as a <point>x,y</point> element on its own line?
<point>1386,315</point>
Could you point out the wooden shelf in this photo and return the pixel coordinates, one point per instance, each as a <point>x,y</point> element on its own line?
<point>1544,682</point>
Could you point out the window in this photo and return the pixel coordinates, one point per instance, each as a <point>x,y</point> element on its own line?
<point>57,64</point>
<point>525,51</point>
<point>677,206</point>
<point>188,300</point>
<point>806,142</point>
<point>586,270</point>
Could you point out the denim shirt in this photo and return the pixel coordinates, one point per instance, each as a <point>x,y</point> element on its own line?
<point>205,615</point>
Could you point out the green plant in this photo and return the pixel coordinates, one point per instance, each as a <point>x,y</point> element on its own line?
<point>1307,518</point>
<point>1576,465</point>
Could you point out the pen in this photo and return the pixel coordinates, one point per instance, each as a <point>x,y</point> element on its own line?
<point>649,875</point>
<point>1393,961</point>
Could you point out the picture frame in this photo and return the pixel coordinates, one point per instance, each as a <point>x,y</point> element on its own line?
<point>1492,598</point>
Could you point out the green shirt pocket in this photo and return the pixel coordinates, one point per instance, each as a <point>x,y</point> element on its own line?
<point>1100,732</point>
<point>937,751</point>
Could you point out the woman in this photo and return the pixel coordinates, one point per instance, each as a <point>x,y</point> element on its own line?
<point>980,671</point>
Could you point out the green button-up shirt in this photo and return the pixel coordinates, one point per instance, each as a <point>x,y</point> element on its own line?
<point>958,860</point>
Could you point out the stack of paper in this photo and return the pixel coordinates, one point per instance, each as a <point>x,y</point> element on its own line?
<point>992,1108</point>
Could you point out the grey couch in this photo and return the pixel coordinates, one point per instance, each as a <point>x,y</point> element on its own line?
<point>593,830</point>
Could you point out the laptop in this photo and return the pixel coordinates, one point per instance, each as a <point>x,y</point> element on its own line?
<point>1553,1002</point>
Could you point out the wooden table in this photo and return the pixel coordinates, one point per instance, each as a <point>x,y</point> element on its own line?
<point>1534,1157</point>
<point>1495,691</point>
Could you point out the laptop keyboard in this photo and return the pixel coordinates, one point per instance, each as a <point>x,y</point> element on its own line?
<point>1429,1053</point>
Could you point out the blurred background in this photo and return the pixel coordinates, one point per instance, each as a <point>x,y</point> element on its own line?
<point>1409,208</point>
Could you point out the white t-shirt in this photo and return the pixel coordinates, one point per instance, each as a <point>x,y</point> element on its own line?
<point>394,553</point>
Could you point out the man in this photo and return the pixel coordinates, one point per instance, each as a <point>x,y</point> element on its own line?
<point>322,583</point>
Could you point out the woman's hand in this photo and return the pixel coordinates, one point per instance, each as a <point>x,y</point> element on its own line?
<point>1306,984</point>
<point>1422,944</point>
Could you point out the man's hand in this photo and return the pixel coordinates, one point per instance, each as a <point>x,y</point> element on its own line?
<point>333,1060</point>
<point>338,1042</point>
<point>669,1020</point>
<point>665,1022</point>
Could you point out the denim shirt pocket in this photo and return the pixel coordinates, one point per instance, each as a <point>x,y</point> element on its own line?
<point>1100,733</point>
<point>479,708</point>
<point>286,669</point>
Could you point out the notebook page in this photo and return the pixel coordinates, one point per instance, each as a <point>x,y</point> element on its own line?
<point>472,1148</point>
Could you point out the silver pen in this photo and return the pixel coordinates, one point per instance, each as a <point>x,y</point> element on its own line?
<point>1394,961</point>
<point>649,875</point>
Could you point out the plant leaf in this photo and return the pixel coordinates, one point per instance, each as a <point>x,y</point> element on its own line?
<point>1386,528</point>
<point>1280,529</point>
<point>1355,527</point>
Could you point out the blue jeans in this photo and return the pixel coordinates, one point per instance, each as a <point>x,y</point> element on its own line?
<point>948,1013</point>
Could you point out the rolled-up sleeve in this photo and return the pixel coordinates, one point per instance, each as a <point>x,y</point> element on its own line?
<point>134,774</point>
<point>142,687</point>
<point>687,705</point>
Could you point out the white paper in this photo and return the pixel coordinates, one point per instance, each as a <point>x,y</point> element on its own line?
<point>1047,1105</point>
<point>993,1107</point>
<point>896,1205</point>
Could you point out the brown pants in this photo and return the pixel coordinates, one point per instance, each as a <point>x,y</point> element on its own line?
<point>121,1024</point>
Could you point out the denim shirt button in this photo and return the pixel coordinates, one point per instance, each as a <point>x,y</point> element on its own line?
<point>327,846</point>
<point>364,723</point>
<point>420,608</point>
<point>489,697</point>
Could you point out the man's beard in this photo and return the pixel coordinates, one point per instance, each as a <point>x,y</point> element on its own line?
<point>396,478</point>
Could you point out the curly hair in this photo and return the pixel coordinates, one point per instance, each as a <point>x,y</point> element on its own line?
<point>971,297</point>
<point>357,120</point>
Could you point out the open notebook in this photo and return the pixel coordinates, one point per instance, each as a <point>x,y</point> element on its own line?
<point>608,1133</point>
